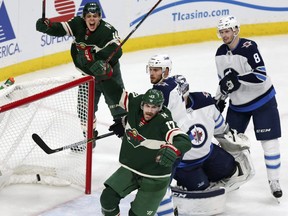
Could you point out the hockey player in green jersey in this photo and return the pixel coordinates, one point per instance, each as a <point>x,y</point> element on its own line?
<point>151,143</point>
<point>94,41</point>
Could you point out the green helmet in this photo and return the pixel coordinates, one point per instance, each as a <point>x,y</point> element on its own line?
<point>153,96</point>
<point>91,7</point>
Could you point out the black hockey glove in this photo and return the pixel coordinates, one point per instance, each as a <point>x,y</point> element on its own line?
<point>230,82</point>
<point>167,155</point>
<point>101,70</point>
<point>119,126</point>
<point>220,104</point>
<point>43,25</point>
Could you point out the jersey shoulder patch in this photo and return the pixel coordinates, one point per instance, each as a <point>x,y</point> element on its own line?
<point>166,86</point>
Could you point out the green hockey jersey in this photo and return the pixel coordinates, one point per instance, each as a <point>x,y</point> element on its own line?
<point>101,42</point>
<point>142,140</point>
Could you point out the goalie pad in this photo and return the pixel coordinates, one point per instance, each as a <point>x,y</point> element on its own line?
<point>207,202</point>
<point>245,171</point>
<point>233,141</point>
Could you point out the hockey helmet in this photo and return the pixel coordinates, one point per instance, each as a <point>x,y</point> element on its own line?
<point>160,60</point>
<point>91,7</point>
<point>226,23</point>
<point>183,84</point>
<point>154,97</point>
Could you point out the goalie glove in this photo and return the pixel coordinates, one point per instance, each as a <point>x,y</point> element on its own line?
<point>233,141</point>
<point>167,155</point>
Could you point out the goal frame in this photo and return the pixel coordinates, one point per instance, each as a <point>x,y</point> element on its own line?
<point>78,81</point>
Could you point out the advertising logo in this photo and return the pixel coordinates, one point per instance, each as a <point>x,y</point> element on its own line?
<point>6,30</point>
<point>6,34</point>
<point>67,9</point>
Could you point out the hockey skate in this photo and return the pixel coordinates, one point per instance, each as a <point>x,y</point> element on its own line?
<point>275,188</point>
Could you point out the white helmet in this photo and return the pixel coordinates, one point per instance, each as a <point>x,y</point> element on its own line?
<point>226,23</point>
<point>160,60</point>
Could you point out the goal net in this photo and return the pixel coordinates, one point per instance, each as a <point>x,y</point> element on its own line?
<point>60,111</point>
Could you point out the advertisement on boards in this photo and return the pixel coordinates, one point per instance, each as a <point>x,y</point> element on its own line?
<point>20,42</point>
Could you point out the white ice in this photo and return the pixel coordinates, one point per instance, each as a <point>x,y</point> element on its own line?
<point>196,62</point>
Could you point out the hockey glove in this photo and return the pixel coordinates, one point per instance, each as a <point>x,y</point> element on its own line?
<point>101,70</point>
<point>230,82</point>
<point>43,25</point>
<point>119,126</point>
<point>167,155</point>
<point>85,57</point>
<point>232,141</point>
<point>220,104</point>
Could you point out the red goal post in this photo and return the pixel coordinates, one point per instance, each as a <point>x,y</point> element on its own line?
<point>61,111</point>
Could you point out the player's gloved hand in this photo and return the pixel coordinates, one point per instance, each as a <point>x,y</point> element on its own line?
<point>230,82</point>
<point>85,57</point>
<point>220,104</point>
<point>43,25</point>
<point>119,126</point>
<point>101,70</point>
<point>167,155</point>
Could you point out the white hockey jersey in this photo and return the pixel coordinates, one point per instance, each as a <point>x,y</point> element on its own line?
<point>256,87</point>
<point>174,101</point>
<point>200,118</point>
<point>204,122</point>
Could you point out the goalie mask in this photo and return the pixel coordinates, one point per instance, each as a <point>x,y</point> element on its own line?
<point>161,60</point>
<point>183,84</point>
<point>91,7</point>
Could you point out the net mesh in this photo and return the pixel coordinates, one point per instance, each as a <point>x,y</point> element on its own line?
<point>60,119</point>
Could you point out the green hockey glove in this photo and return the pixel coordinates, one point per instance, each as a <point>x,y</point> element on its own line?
<point>43,25</point>
<point>101,70</point>
<point>167,155</point>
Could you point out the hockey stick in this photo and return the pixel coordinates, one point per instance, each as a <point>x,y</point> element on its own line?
<point>133,30</point>
<point>40,142</point>
<point>43,10</point>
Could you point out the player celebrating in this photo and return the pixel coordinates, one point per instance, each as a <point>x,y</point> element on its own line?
<point>150,145</point>
<point>94,41</point>
<point>244,80</point>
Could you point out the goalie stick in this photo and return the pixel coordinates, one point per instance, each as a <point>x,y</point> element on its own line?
<point>40,142</point>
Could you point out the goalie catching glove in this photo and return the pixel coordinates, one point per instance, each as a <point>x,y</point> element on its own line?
<point>233,141</point>
<point>167,155</point>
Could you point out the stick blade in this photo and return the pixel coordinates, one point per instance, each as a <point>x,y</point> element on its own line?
<point>39,141</point>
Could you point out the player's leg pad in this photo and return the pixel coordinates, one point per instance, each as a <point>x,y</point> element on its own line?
<point>206,202</point>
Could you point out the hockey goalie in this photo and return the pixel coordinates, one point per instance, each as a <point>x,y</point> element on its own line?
<point>209,170</point>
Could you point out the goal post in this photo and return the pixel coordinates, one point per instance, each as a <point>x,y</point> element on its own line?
<point>60,110</point>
